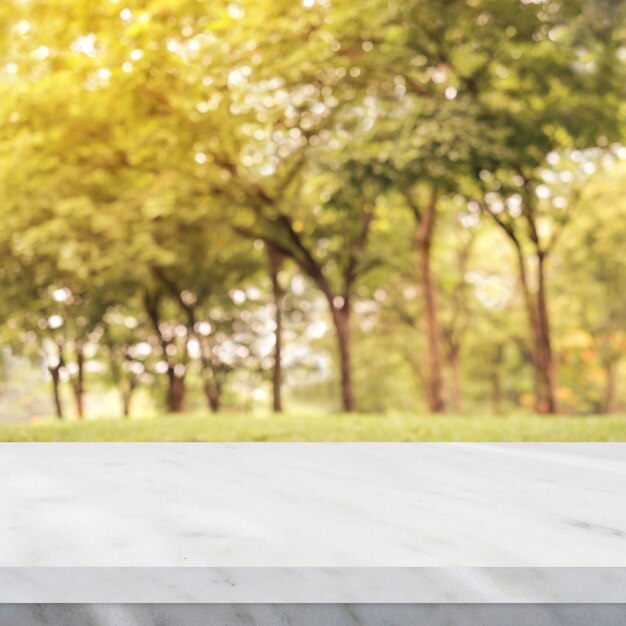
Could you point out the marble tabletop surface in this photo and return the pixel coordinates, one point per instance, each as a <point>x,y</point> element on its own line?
<point>283,522</point>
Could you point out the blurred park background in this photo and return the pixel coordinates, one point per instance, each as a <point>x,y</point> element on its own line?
<point>385,209</point>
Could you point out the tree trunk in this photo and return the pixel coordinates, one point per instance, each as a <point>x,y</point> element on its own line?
<point>126,389</point>
<point>536,310</point>
<point>538,321</point>
<point>175,383</point>
<point>275,262</point>
<point>434,375</point>
<point>55,375</point>
<point>545,357</point>
<point>175,392</point>
<point>341,319</point>
<point>126,398</point>
<point>610,390</point>
<point>80,408</point>
<point>127,395</point>
<point>78,384</point>
<point>119,380</point>
<point>212,393</point>
<point>212,385</point>
<point>457,391</point>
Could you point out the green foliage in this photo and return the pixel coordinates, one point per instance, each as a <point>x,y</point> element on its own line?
<point>152,150</point>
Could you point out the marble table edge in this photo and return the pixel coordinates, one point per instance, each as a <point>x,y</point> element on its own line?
<point>313,585</point>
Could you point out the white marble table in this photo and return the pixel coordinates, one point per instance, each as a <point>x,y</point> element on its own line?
<point>275,523</point>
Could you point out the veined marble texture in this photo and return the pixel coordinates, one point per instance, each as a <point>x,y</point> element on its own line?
<point>288,522</point>
<point>283,585</point>
<point>312,615</point>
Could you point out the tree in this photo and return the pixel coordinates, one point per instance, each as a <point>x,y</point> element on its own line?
<point>171,163</point>
<point>331,250</point>
<point>207,261</point>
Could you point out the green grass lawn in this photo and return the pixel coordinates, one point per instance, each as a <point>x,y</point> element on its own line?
<point>239,427</point>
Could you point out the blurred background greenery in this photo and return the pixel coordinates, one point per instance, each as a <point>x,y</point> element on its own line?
<point>325,206</point>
